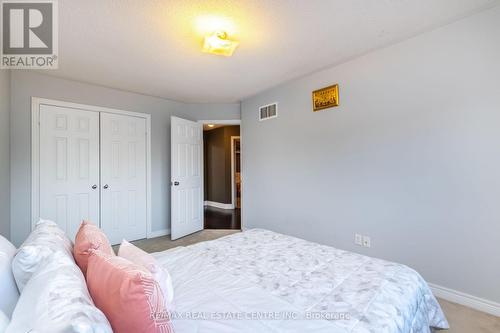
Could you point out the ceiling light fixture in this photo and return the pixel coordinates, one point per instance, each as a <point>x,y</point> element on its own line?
<point>211,125</point>
<point>219,44</point>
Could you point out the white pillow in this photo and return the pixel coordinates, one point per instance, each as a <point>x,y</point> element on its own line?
<point>8,289</point>
<point>46,239</point>
<point>144,259</point>
<point>4,322</point>
<point>56,300</point>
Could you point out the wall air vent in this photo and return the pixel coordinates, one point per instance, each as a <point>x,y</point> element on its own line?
<point>268,111</point>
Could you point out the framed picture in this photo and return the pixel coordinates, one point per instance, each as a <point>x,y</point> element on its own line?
<point>325,98</point>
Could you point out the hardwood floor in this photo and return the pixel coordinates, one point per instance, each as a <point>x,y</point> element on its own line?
<point>461,319</point>
<point>216,218</point>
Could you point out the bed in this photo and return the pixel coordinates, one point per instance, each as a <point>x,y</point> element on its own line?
<point>262,281</point>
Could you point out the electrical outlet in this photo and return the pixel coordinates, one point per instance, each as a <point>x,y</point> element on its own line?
<point>366,241</point>
<point>358,239</point>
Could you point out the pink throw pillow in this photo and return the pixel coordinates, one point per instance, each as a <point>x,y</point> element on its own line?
<point>89,237</point>
<point>127,294</point>
<point>144,259</point>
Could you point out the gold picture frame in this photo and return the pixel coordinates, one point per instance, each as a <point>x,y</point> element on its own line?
<point>325,98</point>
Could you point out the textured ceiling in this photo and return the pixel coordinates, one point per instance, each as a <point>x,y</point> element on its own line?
<point>153,47</point>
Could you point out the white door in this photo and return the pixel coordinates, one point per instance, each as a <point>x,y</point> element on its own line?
<point>123,177</point>
<point>186,180</point>
<point>69,166</point>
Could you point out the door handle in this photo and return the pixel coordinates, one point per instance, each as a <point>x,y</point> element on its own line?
<point>176,184</point>
<point>94,187</point>
<point>106,186</point>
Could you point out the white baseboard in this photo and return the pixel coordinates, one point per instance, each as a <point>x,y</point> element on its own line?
<point>159,233</point>
<point>219,205</point>
<point>470,301</point>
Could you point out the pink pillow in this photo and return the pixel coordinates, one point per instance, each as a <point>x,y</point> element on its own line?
<point>89,237</point>
<point>128,295</point>
<point>144,259</point>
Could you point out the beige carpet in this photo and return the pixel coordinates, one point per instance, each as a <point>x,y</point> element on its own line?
<point>461,318</point>
<point>164,243</point>
<point>465,320</point>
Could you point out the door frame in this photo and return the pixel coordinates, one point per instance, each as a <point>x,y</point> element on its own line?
<point>36,102</point>
<point>233,168</point>
<point>218,122</point>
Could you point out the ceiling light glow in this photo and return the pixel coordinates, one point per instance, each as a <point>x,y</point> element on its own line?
<point>208,24</point>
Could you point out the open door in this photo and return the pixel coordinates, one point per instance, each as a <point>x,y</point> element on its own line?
<point>186,179</point>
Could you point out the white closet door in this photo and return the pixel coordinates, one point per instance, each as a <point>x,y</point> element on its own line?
<point>69,166</point>
<point>187,159</point>
<point>123,177</point>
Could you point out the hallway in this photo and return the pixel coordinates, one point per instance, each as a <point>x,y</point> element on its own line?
<point>216,218</point>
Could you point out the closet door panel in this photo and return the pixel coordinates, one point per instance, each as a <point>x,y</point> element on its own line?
<point>123,177</point>
<point>69,166</point>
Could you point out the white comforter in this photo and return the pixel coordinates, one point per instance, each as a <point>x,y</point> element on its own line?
<point>261,281</point>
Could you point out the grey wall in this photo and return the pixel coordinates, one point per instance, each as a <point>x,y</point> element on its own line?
<point>411,157</point>
<point>29,84</point>
<point>4,153</point>
<point>217,160</point>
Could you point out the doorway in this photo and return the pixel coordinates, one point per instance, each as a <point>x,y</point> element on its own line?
<point>222,175</point>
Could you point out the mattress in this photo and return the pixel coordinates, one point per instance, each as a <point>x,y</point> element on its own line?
<point>262,281</point>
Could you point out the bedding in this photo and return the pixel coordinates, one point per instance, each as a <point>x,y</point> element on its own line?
<point>261,281</point>
<point>90,237</point>
<point>8,288</point>
<point>128,295</point>
<point>144,259</point>
<point>46,239</point>
<point>56,300</point>
<point>4,322</point>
